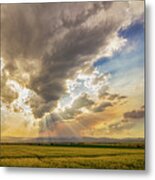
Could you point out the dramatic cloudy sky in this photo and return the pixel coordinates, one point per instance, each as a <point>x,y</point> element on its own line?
<point>72,69</point>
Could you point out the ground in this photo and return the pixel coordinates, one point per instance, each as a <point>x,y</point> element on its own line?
<point>73,156</point>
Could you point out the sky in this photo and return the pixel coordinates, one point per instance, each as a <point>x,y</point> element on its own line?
<point>72,70</point>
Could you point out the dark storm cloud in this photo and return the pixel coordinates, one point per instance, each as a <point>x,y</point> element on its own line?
<point>39,106</point>
<point>65,60</point>
<point>40,33</point>
<point>84,15</point>
<point>50,42</point>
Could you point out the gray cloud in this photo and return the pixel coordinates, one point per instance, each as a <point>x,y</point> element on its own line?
<point>49,123</point>
<point>116,97</point>
<point>82,101</point>
<point>84,15</point>
<point>7,94</point>
<point>27,35</point>
<point>40,106</point>
<point>127,122</point>
<point>135,114</point>
<point>119,126</point>
<point>51,42</point>
<point>122,97</point>
<point>112,96</point>
<point>102,106</point>
<point>105,94</point>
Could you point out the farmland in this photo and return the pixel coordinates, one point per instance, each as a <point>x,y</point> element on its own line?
<point>73,156</point>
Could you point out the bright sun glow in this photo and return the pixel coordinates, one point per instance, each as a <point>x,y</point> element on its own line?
<point>24,95</point>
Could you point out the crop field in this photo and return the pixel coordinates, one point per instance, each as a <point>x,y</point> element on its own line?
<point>53,156</point>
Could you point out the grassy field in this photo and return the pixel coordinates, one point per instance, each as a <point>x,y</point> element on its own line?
<point>97,157</point>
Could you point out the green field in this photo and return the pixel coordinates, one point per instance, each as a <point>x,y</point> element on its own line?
<point>98,157</point>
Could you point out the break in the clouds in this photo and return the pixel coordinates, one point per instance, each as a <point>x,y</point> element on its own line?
<point>66,60</point>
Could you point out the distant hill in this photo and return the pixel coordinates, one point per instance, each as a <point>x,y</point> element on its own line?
<point>65,140</point>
